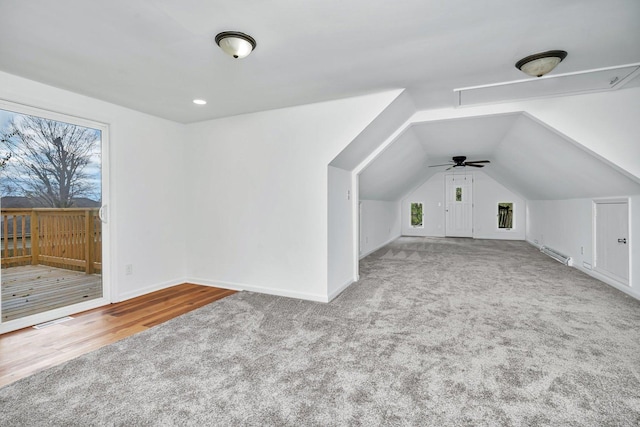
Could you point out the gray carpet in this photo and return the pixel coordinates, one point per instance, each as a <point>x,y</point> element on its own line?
<point>438,332</point>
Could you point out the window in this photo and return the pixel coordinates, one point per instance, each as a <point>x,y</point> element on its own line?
<point>416,215</point>
<point>505,215</point>
<point>458,194</point>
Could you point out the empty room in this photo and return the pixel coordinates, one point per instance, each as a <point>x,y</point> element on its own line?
<point>314,213</point>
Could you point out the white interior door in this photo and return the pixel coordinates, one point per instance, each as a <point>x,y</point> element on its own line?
<point>459,206</point>
<point>612,240</point>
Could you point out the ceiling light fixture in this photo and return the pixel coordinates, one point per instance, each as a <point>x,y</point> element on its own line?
<point>199,101</point>
<point>236,44</point>
<point>539,64</point>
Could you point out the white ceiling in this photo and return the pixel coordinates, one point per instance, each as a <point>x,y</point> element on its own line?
<point>473,137</point>
<point>526,156</point>
<point>157,55</point>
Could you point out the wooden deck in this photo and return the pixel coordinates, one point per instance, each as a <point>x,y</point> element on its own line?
<point>33,289</point>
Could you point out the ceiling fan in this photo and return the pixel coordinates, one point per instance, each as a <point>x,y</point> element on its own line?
<point>461,161</point>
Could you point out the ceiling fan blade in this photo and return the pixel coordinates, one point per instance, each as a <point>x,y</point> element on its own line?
<point>478,161</point>
<point>435,166</point>
<point>474,166</point>
<point>450,167</point>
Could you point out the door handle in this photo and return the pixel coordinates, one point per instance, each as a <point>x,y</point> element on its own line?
<point>102,216</point>
<point>622,241</point>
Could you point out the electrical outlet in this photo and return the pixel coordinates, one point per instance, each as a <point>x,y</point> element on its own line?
<point>128,269</point>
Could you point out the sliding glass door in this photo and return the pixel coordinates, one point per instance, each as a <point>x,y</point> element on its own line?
<point>52,187</point>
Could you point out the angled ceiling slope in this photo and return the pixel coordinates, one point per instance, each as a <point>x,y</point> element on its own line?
<point>383,126</point>
<point>402,165</point>
<point>527,156</point>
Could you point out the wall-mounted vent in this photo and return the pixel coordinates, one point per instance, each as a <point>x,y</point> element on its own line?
<point>560,257</point>
<point>598,80</point>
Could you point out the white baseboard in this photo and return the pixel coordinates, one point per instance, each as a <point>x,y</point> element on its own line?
<point>609,281</point>
<point>258,289</point>
<point>498,236</point>
<point>601,277</point>
<point>338,291</point>
<point>534,244</point>
<point>148,289</point>
<point>369,252</point>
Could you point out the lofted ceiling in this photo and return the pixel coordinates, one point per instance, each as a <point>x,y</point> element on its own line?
<point>156,56</point>
<point>526,156</point>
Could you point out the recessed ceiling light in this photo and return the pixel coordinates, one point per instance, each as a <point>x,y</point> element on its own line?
<point>199,101</point>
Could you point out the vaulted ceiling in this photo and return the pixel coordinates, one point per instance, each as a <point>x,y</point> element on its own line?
<point>157,55</point>
<point>526,156</point>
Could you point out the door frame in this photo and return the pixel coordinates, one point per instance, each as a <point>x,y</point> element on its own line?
<point>107,227</point>
<point>466,175</point>
<point>618,200</point>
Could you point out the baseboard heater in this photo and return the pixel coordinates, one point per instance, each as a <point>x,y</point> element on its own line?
<point>562,258</point>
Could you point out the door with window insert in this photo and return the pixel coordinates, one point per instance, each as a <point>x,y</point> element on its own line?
<point>52,198</point>
<point>459,205</point>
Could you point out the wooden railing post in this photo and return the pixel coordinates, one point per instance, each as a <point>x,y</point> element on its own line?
<point>35,238</point>
<point>88,225</point>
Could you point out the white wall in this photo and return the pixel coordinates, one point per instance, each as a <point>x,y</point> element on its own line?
<point>259,185</point>
<point>567,226</point>
<point>564,225</point>
<point>431,195</point>
<point>146,210</point>
<point>341,269</point>
<point>244,199</point>
<point>487,193</point>
<point>379,224</point>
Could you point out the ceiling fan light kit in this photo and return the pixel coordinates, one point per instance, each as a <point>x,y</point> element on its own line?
<point>539,64</point>
<point>236,44</point>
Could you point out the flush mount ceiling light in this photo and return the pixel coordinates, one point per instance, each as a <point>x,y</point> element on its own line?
<point>236,44</point>
<point>199,101</point>
<point>539,64</point>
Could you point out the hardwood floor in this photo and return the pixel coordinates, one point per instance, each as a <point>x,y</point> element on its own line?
<point>27,351</point>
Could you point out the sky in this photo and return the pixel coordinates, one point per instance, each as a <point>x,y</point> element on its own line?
<point>93,169</point>
<point>5,116</point>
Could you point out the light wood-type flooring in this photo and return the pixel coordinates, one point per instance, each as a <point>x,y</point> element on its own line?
<point>30,350</point>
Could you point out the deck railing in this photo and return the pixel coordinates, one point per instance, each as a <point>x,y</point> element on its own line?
<point>66,238</point>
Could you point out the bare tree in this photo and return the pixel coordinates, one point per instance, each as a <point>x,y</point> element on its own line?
<point>5,158</point>
<point>49,160</point>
